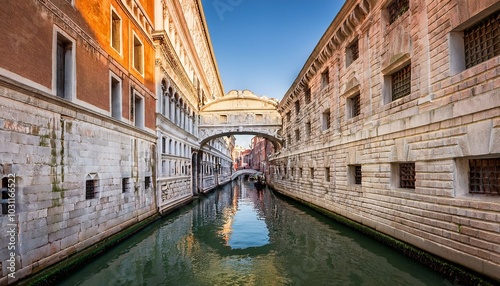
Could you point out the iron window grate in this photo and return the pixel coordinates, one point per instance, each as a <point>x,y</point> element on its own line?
<point>354,50</point>
<point>326,119</point>
<point>397,8</point>
<point>356,105</point>
<point>401,82</point>
<point>90,186</point>
<point>407,175</point>
<point>307,97</point>
<point>482,41</point>
<point>484,176</point>
<point>357,175</point>
<point>297,107</point>
<point>125,185</point>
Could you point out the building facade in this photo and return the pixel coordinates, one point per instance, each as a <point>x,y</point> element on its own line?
<point>261,148</point>
<point>186,78</point>
<point>99,103</point>
<point>393,123</point>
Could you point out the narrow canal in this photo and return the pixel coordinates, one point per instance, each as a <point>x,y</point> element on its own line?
<point>240,236</point>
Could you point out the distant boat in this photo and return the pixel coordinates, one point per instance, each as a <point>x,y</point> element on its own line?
<point>260,184</point>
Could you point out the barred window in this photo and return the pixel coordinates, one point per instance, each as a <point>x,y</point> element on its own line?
<point>326,119</point>
<point>325,79</point>
<point>308,129</point>
<point>484,176</point>
<point>407,175</point>
<point>401,82</point>
<point>482,41</point>
<point>354,105</point>
<point>125,185</point>
<point>357,174</point>
<point>5,195</point>
<point>352,53</point>
<point>90,189</point>
<point>297,107</point>
<point>396,9</point>
<point>307,97</point>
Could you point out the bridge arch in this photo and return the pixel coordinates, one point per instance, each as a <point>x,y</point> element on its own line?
<point>241,112</point>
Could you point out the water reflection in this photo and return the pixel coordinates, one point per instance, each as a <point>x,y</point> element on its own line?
<point>241,236</point>
<point>244,225</point>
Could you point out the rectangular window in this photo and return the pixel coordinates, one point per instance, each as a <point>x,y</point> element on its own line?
<point>297,135</point>
<point>326,119</point>
<point>401,82</point>
<point>327,174</point>
<point>484,176</point>
<point>354,175</point>
<point>407,175</point>
<point>116,31</point>
<point>482,41</point>
<point>311,171</point>
<point>325,79</point>
<point>64,67</point>
<point>147,182</point>
<point>300,172</point>
<point>138,55</point>
<point>289,139</point>
<point>222,118</point>
<point>137,110</point>
<point>352,53</point>
<point>307,96</point>
<point>163,145</point>
<point>354,106</point>
<point>125,185</point>
<point>396,9</point>
<point>357,175</point>
<point>5,195</point>
<point>90,189</point>
<point>289,116</point>
<point>308,129</point>
<point>116,98</point>
<point>297,107</point>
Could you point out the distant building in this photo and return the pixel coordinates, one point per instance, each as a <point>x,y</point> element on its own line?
<point>240,157</point>
<point>393,122</point>
<point>261,148</point>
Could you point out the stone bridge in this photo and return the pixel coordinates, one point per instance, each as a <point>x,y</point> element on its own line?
<point>243,172</point>
<point>241,112</point>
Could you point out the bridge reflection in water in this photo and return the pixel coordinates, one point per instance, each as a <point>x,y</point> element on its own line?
<point>240,236</point>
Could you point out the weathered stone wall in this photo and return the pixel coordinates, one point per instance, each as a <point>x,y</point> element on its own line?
<point>53,147</point>
<point>450,116</point>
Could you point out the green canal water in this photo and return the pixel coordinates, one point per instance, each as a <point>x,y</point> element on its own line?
<point>240,236</point>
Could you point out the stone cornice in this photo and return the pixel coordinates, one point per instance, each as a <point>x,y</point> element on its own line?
<point>172,59</point>
<point>350,17</point>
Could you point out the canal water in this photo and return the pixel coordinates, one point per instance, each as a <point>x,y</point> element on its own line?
<point>238,235</point>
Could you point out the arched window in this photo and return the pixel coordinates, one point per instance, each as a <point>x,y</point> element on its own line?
<point>164,97</point>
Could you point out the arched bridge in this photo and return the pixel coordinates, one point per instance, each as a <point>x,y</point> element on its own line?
<point>241,112</point>
<point>243,172</point>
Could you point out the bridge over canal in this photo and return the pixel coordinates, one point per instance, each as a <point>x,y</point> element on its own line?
<point>241,112</point>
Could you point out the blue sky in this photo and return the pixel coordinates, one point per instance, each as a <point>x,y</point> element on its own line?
<point>262,45</point>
